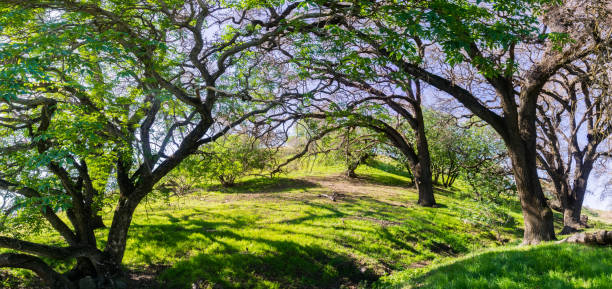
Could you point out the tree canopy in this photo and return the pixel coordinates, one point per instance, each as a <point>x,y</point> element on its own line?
<point>101,100</point>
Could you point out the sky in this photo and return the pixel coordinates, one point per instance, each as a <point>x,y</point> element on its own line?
<point>599,198</point>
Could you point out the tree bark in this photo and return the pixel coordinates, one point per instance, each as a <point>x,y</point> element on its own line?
<point>537,215</point>
<point>592,238</point>
<point>53,279</point>
<point>571,218</point>
<point>424,186</point>
<point>117,236</point>
<point>573,207</point>
<point>422,171</point>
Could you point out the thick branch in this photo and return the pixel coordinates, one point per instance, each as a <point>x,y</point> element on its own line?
<point>44,271</point>
<point>61,253</point>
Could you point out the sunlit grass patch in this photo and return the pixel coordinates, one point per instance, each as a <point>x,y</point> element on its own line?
<point>547,266</point>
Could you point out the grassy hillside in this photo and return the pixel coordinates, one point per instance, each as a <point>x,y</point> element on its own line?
<point>282,233</point>
<point>547,266</point>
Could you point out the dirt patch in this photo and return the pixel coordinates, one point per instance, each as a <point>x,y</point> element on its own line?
<point>605,216</point>
<point>419,264</point>
<point>354,186</point>
<point>442,249</point>
<point>145,278</point>
<point>383,223</point>
<point>357,188</point>
<point>345,188</point>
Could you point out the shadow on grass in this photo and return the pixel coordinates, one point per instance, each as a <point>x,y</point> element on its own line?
<point>385,180</point>
<point>217,252</point>
<point>286,263</point>
<point>544,267</point>
<point>389,168</point>
<point>265,185</point>
<point>290,265</point>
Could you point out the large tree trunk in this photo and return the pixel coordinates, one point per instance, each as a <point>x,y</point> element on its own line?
<point>537,215</point>
<point>424,184</point>
<point>573,206</point>
<point>571,217</point>
<point>117,237</point>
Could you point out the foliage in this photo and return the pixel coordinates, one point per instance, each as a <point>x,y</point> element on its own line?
<point>351,146</point>
<point>229,159</point>
<point>100,100</point>
<point>461,149</point>
<point>471,151</point>
<point>492,183</point>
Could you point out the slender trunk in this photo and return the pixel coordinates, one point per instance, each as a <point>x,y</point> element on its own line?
<point>350,172</point>
<point>537,215</point>
<point>422,171</point>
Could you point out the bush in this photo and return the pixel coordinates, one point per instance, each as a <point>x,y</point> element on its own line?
<point>230,158</point>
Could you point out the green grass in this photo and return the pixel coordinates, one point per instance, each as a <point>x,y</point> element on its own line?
<point>547,266</point>
<point>260,234</point>
<point>280,233</point>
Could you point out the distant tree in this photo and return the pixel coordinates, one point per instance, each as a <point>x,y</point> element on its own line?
<point>230,158</point>
<point>357,146</point>
<point>377,118</point>
<point>575,126</point>
<point>460,149</point>
<point>354,100</point>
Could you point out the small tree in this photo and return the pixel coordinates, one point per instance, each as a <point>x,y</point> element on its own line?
<point>357,145</point>
<point>230,158</point>
<point>460,148</point>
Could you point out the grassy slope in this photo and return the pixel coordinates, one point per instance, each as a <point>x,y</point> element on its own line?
<point>546,266</point>
<point>279,233</point>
